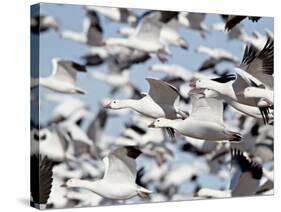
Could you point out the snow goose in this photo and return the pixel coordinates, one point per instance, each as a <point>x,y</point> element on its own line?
<point>235,33</point>
<point>42,23</point>
<point>122,15</point>
<point>205,121</point>
<point>119,180</point>
<point>52,142</point>
<point>246,175</point>
<point>146,38</point>
<point>159,102</point>
<point>255,68</point>
<point>173,70</point>
<point>233,20</point>
<point>245,179</point>
<point>168,34</point>
<point>63,77</point>
<point>244,109</point>
<point>256,39</point>
<point>116,80</point>
<point>66,106</point>
<point>92,33</point>
<point>193,21</point>
<point>216,56</point>
<point>40,180</point>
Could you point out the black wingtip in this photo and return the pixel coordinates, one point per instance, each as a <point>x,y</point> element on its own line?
<point>140,174</point>
<point>246,164</point>
<point>133,152</point>
<point>226,78</point>
<point>41,179</point>
<point>79,67</point>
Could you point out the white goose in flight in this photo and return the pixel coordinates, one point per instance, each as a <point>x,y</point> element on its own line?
<point>120,176</point>
<point>92,33</point>
<point>146,37</point>
<point>256,70</point>
<point>205,121</point>
<point>159,102</point>
<point>245,180</point>
<point>63,77</point>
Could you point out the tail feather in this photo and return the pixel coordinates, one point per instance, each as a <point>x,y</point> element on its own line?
<point>144,193</point>
<point>234,136</point>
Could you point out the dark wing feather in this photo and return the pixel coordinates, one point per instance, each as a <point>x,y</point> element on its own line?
<point>232,21</point>
<point>41,178</point>
<point>225,78</point>
<point>245,164</point>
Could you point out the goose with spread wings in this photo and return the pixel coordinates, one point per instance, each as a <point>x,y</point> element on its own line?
<point>41,178</point>
<point>158,102</point>
<point>205,121</point>
<point>256,70</point>
<point>246,178</point>
<point>120,177</point>
<point>121,15</point>
<point>216,56</point>
<point>92,33</point>
<point>63,77</point>
<point>147,35</point>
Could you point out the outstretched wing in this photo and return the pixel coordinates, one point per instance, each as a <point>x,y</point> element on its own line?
<point>120,165</point>
<point>40,178</point>
<point>208,109</point>
<point>260,64</point>
<point>162,92</point>
<point>65,70</point>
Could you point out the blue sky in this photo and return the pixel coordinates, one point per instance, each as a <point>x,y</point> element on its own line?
<point>70,18</point>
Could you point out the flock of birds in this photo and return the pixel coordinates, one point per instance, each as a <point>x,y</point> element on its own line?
<point>229,128</point>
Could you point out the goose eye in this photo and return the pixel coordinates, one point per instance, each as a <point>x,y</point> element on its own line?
<point>114,101</point>
<point>157,120</point>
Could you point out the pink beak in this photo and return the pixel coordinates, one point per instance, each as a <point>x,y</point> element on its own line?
<point>108,105</point>
<point>151,125</point>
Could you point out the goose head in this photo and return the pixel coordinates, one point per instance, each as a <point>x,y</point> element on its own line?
<point>200,83</point>
<point>158,123</point>
<point>115,104</point>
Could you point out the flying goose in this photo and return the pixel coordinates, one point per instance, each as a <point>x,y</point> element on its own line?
<point>43,23</point>
<point>216,56</point>
<point>193,21</point>
<point>173,70</point>
<point>168,34</point>
<point>235,33</point>
<point>66,106</point>
<point>205,121</point>
<point>92,33</point>
<point>159,102</point>
<point>122,15</point>
<point>63,77</point>
<point>255,68</point>
<point>119,180</point>
<point>147,36</point>
<point>245,179</point>
<point>40,180</point>
<point>247,174</point>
